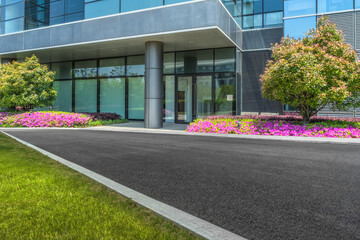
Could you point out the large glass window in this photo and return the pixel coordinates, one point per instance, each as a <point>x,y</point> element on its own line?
<point>136,97</point>
<point>225,60</point>
<point>194,61</point>
<point>357,3</point>
<point>97,8</point>
<point>62,70</point>
<point>252,21</point>
<point>131,5</point>
<point>169,98</point>
<point>273,5</point>
<point>63,100</point>
<point>112,95</point>
<point>298,26</point>
<point>86,95</point>
<point>225,93</point>
<point>252,6</point>
<point>299,7</point>
<point>273,19</point>
<point>11,26</point>
<point>85,69</point>
<point>169,63</point>
<point>74,6</point>
<point>175,1</point>
<point>113,67</point>
<point>135,66</point>
<point>12,11</point>
<point>334,5</point>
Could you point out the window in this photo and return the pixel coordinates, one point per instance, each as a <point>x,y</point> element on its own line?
<point>298,26</point>
<point>97,8</point>
<point>274,19</point>
<point>169,63</point>
<point>299,7</point>
<point>252,21</point>
<point>113,67</point>
<point>131,5</point>
<point>273,5</point>
<point>11,26</point>
<point>136,97</point>
<point>252,7</point>
<point>86,95</point>
<point>194,61</point>
<point>112,95</point>
<point>225,93</point>
<point>62,70</point>
<point>63,100</point>
<point>85,69</point>
<point>175,1</point>
<point>334,5</point>
<point>135,66</point>
<point>169,98</point>
<point>225,60</point>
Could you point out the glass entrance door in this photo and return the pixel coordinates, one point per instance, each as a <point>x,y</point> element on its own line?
<point>203,96</point>
<point>184,95</point>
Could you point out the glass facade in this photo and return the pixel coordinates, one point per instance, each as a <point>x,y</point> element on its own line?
<point>250,14</point>
<point>118,85</point>
<point>19,15</point>
<point>300,15</point>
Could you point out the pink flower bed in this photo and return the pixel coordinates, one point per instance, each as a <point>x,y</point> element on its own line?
<point>274,128</point>
<point>44,119</point>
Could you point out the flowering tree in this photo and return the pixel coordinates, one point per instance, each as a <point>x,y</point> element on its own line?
<point>26,84</point>
<point>311,73</point>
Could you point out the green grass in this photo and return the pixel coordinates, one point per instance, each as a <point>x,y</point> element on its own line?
<point>103,123</point>
<point>42,199</point>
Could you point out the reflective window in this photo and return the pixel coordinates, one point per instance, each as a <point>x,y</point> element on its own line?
<point>225,93</point>
<point>273,19</point>
<point>135,66</point>
<point>113,67</point>
<point>7,2</point>
<point>298,26</point>
<point>334,5</point>
<point>12,11</point>
<point>97,8</point>
<point>86,95</point>
<point>11,26</point>
<point>136,97</point>
<point>175,1</point>
<point>131,5</point>
<point>85,69</point>
<point>57,8</point>
<point>62,70</point>
<point>169,98</point>
<point>225,60</point>
<point>74,6</point>
<point>169,63</point>
<point>112,95</point>
<point>252,21</point>
<point>357,3</point>
<point>299,7</point>
<point>194,61</point>
<point>63,100</point>
<point>273,5</point>
<point>74,17</point>
<point>252,7</point>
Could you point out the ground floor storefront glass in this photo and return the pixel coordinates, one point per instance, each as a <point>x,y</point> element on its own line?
<point>196,84</point>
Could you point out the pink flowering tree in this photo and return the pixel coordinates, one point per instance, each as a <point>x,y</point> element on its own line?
<point>314,72</point>
<point>26,85</point>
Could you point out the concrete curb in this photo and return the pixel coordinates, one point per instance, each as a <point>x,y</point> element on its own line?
<point>353,141</point>
<point>192,223</point>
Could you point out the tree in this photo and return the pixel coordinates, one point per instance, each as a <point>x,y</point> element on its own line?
<point>26,84</point>
<point>314,72</point>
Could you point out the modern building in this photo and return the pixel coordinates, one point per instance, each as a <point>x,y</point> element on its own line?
<point>161,60</point>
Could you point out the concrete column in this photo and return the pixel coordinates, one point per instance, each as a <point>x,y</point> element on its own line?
<point>154,84</point>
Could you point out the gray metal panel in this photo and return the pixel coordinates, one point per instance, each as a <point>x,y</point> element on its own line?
<point>141,23</point>
<point>13,42</point>
<point>194,15</point>
<point>252,101</point>
<point>346,22</point>
<point>357,30</point>
<point>66,34</point>
<point>103,28</point>
<point>262,38</point>
<point>38,38</point>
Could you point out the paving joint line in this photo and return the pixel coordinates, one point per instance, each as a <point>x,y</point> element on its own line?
<point>186,220</point>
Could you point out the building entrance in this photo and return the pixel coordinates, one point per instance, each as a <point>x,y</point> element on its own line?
<point>193,97</point>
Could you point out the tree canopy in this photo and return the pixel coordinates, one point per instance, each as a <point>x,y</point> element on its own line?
<point>313,72</point>
<point>26,84</point>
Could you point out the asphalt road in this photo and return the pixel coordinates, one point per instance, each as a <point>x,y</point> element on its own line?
<point>259,189</point>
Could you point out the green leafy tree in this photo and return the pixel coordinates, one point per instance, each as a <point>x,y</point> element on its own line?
<point>26,84</point>
<point>314,72</point>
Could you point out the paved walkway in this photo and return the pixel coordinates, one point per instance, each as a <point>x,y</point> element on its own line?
<point>256,188</point>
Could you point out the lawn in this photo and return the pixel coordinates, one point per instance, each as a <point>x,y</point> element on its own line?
<point>42,199</point>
